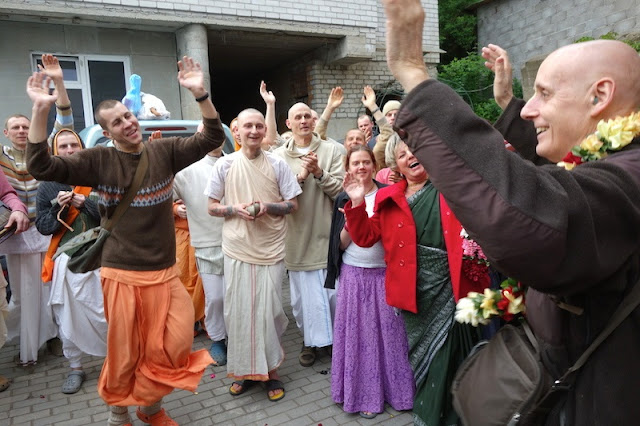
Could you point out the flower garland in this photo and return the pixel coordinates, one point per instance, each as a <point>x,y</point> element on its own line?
<point>475,265</point>
<point>611,135</point>
<point>479,308</point>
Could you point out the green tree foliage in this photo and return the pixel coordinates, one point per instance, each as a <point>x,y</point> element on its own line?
<point>474,83</point>
<point>613,36</point>
<point>457,29</point>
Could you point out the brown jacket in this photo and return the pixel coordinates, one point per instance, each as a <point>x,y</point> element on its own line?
<point>572,235</point>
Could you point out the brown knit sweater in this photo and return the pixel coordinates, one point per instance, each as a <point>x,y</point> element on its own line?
<point>144,239</point>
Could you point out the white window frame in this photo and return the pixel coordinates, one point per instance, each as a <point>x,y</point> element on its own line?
<point>82,70</point>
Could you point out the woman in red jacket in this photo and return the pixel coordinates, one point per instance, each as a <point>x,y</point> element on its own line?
<point>416,228</point>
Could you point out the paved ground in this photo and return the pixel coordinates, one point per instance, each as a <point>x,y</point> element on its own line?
<point>34,397</point>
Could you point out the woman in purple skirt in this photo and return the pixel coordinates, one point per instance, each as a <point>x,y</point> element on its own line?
<point>370,364</point>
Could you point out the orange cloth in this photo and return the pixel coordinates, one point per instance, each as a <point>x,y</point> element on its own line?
<point>186,263</point>
<point>47,265</point>
<point>150,319</point>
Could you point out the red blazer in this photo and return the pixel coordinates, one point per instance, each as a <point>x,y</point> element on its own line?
<point>393,223</point>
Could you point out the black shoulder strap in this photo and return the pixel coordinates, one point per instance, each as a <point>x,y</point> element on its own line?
<point>141,170</point>
<point>624,309</point>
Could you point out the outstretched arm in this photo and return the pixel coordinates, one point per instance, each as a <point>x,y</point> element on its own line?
<point>270,139</point>
<point>405,22</point>
<point>191,77</point>
<point>64,115</point>
<point>335,100</point>
<point>369,101</point>
<point>498,61</point>
<point>38,91</point>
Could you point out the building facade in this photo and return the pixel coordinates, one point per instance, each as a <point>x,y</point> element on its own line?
<point>531,29</point>
<point>300,50</point>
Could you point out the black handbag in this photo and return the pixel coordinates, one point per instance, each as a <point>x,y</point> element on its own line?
<point>504,382</point>
<point>87,247</point>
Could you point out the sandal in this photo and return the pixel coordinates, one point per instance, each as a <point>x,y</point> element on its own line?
<point>307,356</point>
<point>245,385</point>
<point>161,418</point>
<point>274,385</point>
<point>368,414</point>
<point>73,382</point>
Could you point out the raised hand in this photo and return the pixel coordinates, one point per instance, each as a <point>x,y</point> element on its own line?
<point>369,98</point>
<point>51,67</point>
<point>190,76</point>
<point>498,61</point>
<point>405,22</point>
<point>38,90</point>
<point>156,134</point>
<point>354,188</point>
<point>335,98</point>
<point>267,96</point>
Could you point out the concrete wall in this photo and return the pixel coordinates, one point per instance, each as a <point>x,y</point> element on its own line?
<point>152,56</point>
<point>531,29</point>
<point>104,27</point>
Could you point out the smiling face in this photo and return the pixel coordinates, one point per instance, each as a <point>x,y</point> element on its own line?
<point>122,126</point>
<point>361,165</point>
<point>66,144</point>
<point>251,128</point>
<point>16,130</point>
<point>560,108</point>
<point>353,137</point>
<point>408,165</point>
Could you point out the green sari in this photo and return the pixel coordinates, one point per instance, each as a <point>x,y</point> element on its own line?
<point>437,344</point>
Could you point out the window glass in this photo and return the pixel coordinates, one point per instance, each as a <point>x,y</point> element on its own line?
<point>107,81</point>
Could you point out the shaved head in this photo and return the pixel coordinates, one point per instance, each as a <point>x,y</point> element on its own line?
<point>249,111</point>
<point>584,64</point>
<point>576,87</point>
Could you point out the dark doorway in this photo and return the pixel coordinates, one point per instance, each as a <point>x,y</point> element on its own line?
<point>240,60</point>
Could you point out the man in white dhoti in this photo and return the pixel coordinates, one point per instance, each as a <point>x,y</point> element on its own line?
<point>76,299</point>
<point>18,219</point>
<point>29,316</point>
<point>259,189</point>
<point>319,169</point>
<point>206,237</point>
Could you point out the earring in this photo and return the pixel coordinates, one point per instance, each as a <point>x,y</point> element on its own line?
<point>595,100</point>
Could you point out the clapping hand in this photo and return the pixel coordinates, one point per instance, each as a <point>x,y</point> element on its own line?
<point>310,163</point>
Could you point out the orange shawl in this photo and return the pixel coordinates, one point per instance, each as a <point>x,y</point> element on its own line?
<point>47,266</point>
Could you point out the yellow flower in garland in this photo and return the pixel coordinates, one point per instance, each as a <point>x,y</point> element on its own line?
<point>488,304</point>
<point>611,135</point>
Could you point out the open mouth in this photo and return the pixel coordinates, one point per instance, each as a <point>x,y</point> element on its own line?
<point>414,165</point>
<point>540,130</point>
